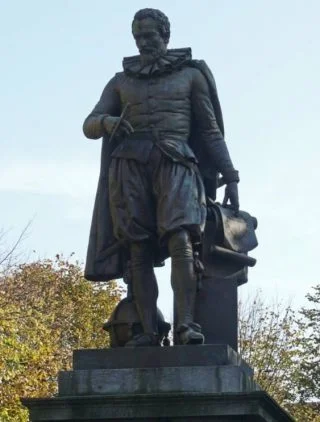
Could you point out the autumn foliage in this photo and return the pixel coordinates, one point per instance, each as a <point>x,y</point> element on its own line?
<point>283,346</point>
<point>47,309</point>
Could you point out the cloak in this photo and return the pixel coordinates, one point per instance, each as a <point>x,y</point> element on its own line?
<point>106,256</point>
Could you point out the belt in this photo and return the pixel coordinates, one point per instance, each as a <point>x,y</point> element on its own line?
<point>154,136</point>
<point>148,135</point>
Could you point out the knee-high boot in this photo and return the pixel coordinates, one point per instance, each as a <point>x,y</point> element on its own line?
<point>144,285</point>
<point>184,285</point>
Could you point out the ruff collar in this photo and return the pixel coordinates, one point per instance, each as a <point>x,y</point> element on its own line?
<point>173,60</point>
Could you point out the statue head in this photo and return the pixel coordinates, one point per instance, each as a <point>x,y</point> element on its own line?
<point>151,31</point>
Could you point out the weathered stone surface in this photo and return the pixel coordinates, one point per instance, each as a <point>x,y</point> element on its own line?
<point>218,297</point>
<point>197,379</point>
<point>173,407</point>
<point>158,357</point>
<point>217,387</point>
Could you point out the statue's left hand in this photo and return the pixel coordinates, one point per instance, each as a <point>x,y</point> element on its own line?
<point>231,194</point>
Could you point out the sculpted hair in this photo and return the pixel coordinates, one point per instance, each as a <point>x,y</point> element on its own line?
<point>161,19</point>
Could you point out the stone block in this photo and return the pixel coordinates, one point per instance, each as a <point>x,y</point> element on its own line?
<point>173,407</point>
<point>168,384</point>
<point>199,379</point>
<point>158,357</point>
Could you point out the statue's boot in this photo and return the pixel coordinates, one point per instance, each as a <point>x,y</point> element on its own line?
<point>184,285</point>
<point>145,293</point>
<point>190,334</point>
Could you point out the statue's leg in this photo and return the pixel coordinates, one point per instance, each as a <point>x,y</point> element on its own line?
<point>184,285</point>
<point>145,292</point>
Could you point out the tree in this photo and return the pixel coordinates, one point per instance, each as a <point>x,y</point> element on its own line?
<point>9,255</point>
<point>309,323</point>
<point>47,309</point>
<point>281,347</point>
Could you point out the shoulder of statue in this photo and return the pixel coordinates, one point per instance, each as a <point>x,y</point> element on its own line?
<point>202,66</point>
<point>197,62</point>
<point>118,77</point>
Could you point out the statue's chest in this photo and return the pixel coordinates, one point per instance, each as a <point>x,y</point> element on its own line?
<point>176,86</point>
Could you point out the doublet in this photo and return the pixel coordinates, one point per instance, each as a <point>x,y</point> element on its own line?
<point>163,102</point>
<point>152,183</point>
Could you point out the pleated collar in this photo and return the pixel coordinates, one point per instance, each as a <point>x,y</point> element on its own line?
<point>173,60</point>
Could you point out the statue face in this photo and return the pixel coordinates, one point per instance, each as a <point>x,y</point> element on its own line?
<point>148,40</point>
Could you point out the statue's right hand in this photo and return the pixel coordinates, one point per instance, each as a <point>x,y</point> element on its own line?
<point>124,129</point>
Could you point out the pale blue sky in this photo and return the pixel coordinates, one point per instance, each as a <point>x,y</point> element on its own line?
<point>58,55</point>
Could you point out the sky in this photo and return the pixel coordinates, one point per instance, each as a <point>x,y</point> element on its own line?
<point>58,56</point>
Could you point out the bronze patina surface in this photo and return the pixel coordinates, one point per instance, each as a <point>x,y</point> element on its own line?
<point>163,149</point>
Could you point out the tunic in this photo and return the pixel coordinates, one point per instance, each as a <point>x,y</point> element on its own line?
<point>154,183</point>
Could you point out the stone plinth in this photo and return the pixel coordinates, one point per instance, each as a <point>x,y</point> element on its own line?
<point>158,357</point>
<point>200,379</point>
<point>218,298</point>
<point>181,383</point>
<point>173,407</point>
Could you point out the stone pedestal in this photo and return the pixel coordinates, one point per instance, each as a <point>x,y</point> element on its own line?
<point>181,383</point>
<point>216,305</point>
<point>216,310</point>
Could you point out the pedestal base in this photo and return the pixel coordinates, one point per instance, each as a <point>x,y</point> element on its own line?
<point>181,383</point>
<point>239,407</point>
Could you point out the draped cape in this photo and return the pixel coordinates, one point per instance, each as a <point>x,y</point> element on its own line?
<point>106,256</point>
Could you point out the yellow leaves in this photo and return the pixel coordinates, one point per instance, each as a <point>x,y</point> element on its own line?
<point>276,343</point>
<point>47,309</point>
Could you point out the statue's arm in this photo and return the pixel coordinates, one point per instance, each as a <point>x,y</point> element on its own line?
<point>108,105</point>
<point>211,138</point>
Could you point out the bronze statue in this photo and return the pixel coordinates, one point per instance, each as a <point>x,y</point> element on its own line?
<point>163,149</point>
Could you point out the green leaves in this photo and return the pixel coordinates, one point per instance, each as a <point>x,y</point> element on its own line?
<point>309,322</point>
<point>282,345</point>
<point>47,309</point>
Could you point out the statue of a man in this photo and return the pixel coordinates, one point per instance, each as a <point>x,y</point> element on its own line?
<point>157,173</point>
